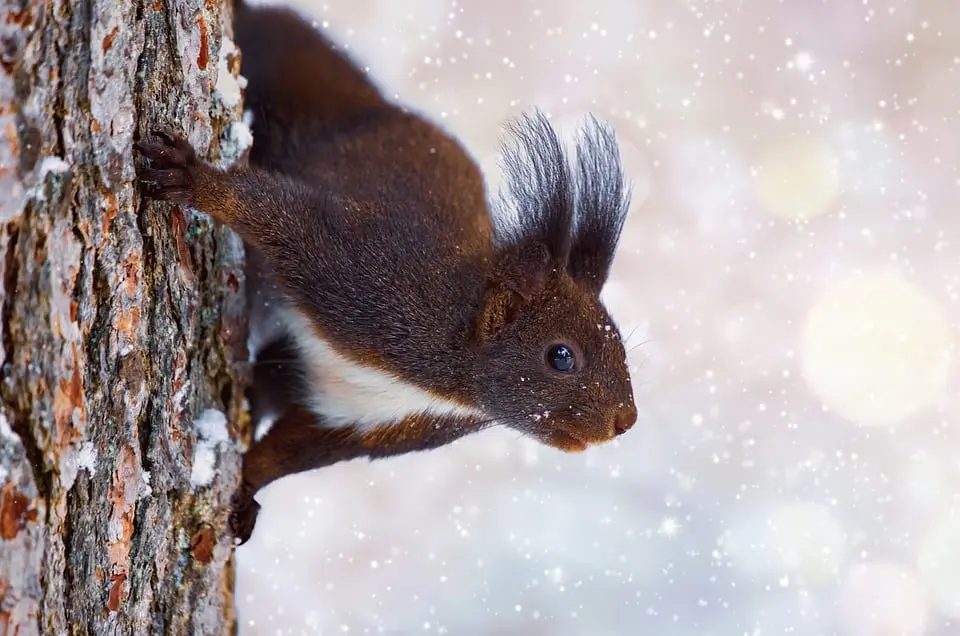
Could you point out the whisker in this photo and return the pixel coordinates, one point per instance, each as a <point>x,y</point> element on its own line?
<point>519,435</point>
<point>638,345</point>
<point>503,420</point>
<point>632,332</point>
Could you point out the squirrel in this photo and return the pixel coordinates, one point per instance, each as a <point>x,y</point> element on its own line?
<point>410,310</point>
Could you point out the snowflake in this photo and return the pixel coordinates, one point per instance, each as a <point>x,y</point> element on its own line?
<point>669,527</point>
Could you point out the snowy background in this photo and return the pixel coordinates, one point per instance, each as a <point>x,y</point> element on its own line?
<point>790,274</point>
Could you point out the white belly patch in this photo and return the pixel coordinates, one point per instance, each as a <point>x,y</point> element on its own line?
<point>345,393</point>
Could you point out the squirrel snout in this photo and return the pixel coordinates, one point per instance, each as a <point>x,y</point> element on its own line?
<point>624,419</point>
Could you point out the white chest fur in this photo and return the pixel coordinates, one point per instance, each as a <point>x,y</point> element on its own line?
<point>345,393</point>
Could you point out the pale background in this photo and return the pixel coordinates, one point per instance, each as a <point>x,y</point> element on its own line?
<point>790,273</point>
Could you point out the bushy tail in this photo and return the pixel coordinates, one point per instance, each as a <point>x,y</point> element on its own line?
<point>296,80</point>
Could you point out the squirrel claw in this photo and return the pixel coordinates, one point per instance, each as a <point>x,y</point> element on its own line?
<point>243,514</point>
<point>167,137</point>
<point>171,160</point>
<point>174,142</point>
<point>165,179</point>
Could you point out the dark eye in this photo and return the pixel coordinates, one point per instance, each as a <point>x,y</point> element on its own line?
<point>561,357</point>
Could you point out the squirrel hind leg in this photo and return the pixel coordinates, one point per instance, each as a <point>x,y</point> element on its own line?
<point>244,510</point>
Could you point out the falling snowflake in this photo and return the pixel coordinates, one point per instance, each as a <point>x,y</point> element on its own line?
<point>669,527</point>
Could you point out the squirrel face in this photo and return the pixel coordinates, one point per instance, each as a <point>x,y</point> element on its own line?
<point>554,366</point>
<point>561,374</point>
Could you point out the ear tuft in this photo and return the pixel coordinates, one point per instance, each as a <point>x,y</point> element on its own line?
<point>539,187</point>
<point>602,201</point>
<point>576,214</point>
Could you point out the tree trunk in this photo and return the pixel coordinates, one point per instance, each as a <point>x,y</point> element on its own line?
<point>122,323</point>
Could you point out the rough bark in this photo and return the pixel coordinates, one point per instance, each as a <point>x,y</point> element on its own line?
<point>121,323</point>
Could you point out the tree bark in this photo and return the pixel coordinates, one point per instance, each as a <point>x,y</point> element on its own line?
<point>122,323</point>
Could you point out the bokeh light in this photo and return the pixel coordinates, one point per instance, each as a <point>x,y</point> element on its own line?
<point>801,541</point>
<point>938,561</point>
<point>797,179</point>
<point>875,348</point>
<point>881,599</point>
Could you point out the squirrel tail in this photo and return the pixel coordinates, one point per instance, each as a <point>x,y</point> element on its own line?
<point>296,78</point>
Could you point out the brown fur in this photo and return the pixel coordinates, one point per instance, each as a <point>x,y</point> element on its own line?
<point>374,224</point>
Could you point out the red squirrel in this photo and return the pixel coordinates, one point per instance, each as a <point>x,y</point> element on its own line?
<point>411,311</point>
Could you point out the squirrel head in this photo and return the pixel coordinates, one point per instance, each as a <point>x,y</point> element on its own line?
<point>560,372</point>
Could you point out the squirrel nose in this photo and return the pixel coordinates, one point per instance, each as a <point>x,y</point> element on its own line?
<point>625,418</point>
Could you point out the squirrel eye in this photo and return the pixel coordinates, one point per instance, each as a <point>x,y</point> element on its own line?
<point>561,357</point>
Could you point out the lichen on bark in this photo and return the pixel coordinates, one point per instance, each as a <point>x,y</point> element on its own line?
<point>120,322</point>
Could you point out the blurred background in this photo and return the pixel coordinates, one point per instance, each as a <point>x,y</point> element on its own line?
<point>789,280</point>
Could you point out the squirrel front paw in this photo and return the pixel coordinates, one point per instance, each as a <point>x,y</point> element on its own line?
<point>169,165</point>
<point>243,514</point>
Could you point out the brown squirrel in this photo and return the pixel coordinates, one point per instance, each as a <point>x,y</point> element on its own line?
<point>410,315</point>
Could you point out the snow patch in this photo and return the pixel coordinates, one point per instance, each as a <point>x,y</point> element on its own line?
<point>239,133</point>
<point>87,458</point>
<point>48,166</point>
<point>204,459</point>
<point>74,459</point>
<point>211,428</point>
<point>236,140</point>
<point>228,88</point>
<point>12,192</point>
<point>145,489</point>
<point>180,396</point>
<point>11,203</point>
<point>6,432</point>
<point>52,165</point>
<point>68,467</point>
<point>115,529</point>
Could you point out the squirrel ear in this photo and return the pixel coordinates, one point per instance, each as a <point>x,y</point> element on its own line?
<point>519,274</point>
<point>523,269</point>
<point>500,308</point>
